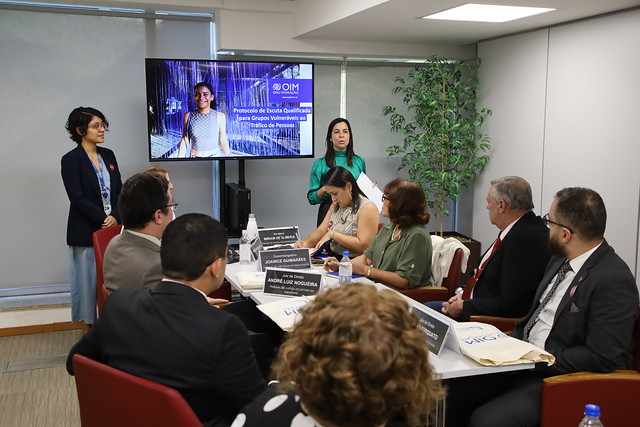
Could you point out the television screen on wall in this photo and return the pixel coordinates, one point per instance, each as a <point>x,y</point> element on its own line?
<point>214,110</point>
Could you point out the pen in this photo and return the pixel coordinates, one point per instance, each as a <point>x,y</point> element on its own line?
<point>333,262</point>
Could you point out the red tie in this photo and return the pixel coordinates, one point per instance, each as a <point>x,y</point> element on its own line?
<point>473,279</point>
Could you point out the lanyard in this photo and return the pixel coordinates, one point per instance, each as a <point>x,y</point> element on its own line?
<point>105,192</point>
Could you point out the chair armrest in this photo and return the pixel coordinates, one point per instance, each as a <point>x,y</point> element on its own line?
<point>505,324</point>
<point>591,376</point>
<point>427,293</point>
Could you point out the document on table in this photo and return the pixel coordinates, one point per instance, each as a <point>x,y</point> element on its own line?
<point>488,346</point>
<point>370,190</point>
<point>285,311</point>
<point>251,280</point>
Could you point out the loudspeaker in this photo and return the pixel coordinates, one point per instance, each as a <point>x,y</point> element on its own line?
<point>238,208</point>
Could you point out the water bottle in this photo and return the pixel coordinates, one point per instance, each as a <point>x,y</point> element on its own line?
<point>591,416</point>
<point>245,248</point>
<point>252,227</point>
<point>344,269</point>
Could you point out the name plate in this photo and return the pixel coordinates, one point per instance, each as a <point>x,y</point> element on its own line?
<point>434,330</point>
<point>285,258</point>
<point>278,236</point>
<point>292,282</point>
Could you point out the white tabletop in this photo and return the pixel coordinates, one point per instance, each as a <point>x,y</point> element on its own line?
<point>449,364</point>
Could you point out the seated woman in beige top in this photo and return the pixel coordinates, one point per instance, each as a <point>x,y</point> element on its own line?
<point>352,220</point>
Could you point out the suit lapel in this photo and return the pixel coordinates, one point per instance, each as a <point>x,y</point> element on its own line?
<point>526,217</point>
<point>581,277</point>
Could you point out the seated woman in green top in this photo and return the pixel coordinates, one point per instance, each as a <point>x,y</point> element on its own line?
<point>400,254</point>
<point>339,153</point>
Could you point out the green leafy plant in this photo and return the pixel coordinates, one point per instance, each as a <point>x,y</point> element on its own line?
<point>442,151</point>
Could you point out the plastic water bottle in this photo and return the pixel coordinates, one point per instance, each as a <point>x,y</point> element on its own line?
<point>245,248</point>
<point>345,269</point>
<point>252,227</point>
<point>591,416</point>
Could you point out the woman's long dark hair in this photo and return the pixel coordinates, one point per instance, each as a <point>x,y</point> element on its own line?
<point>330,155</point>
<point>338,177</point>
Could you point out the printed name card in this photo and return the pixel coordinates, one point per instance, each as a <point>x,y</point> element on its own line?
<point>292,282</point>
<point>278,236</point>
<point>285,258</point>
<point>434,330</point>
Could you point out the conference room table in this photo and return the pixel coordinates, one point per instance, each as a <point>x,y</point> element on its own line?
<point>450,363</point>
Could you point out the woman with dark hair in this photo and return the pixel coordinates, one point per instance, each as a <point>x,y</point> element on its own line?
<point>351,221</point>
<point>204,132</point>
<point>339,153</point>
<point>92,180</point>
<point>356,358</point>
<point>400,255</point>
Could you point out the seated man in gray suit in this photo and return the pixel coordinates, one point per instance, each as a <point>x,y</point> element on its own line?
<point>132,259</point>
<point>171,335</point>
<point>583,313</point>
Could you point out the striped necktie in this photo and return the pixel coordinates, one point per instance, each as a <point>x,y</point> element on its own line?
<point>562,272</point>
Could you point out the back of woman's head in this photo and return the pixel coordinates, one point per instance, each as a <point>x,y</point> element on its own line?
<point>357,358</point>
<point>407,203</point>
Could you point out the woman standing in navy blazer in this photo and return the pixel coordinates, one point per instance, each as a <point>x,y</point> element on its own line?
<point>92,180</point>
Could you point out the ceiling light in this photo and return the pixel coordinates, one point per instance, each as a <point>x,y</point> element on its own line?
<point>487,13</point>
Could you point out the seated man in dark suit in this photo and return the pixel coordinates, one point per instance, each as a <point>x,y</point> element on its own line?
<point>132,259</point>
<point>512,267</point>
<point>583,313</point>
<point>170,334</point>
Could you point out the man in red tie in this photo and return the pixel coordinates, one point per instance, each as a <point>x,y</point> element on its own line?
<point>512,267</point>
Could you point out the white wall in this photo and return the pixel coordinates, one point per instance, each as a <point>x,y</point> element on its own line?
<point>52,63</point>
<point>565,105</point>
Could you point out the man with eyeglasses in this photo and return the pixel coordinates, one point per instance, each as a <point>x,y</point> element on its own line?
<point>171,335</point>
<point>583,313</point>
<point>132,259</point>
<point>513,265</point>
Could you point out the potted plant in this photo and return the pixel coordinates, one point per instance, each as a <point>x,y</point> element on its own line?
<point>442,151</point>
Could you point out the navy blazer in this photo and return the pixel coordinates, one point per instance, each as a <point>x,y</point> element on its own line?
<point>593,327</point>
<point>171,335</point>
<point>510,278</point>
<point>86,213</point>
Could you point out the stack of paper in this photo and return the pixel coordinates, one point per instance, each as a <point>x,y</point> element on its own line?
<point>251,280</point>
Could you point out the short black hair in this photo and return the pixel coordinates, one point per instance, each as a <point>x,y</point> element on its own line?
<point>190,243</point>
<point>141,196</point>
<point>582,210</point>
<point>80,118</point>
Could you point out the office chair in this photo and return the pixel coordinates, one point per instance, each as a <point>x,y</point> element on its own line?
<point>564,396</point>
<point>101,239</point>
<point>109,397</point>
<point>439,293</point>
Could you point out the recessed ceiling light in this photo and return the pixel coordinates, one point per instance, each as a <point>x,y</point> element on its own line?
<point>487,13</point>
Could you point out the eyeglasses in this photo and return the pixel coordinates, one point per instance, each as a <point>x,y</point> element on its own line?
<point>96,126</point>
<point>547,221</point>
<point>385,197</point>
<point>173,206</point>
